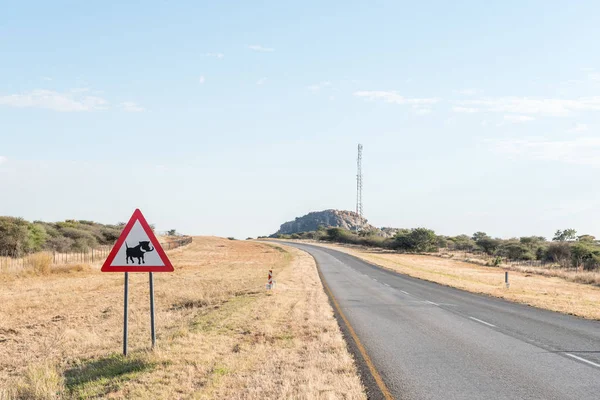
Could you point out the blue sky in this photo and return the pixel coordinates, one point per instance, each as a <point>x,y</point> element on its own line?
<point>229,118</point>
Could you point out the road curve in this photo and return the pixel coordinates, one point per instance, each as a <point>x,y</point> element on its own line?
<point>429,341</point>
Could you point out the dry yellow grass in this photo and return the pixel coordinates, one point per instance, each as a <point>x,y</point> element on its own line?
<point>220,333</point>
<point>552,293</point>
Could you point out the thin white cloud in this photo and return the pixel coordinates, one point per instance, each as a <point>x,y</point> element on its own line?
<point>518,118</point>
<point>3,160</point>
<point>579,128</point>
<point>468,110</point>
<point>261,49</point>
<point>318,86</point>
<point>46,78</point>
<point>580,151</point>
<point>536,106</point>
<point>47,99</point>
<point>216,55</point>
<point>261,81</point>
<point>594,76</point>
<point>130,106</point>
<point>394,97</point>
<point>201,80</point>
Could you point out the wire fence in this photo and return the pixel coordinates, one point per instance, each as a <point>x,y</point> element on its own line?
<point>90,256</point>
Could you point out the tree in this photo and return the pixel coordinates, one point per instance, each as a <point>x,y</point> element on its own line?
<point>566,235</point>
<point>488,244</point>
<point>533,242</point>
<point>586,238</point>
<point>515,250</point>
<point>335,234</point>
<point>14,236</point>
<point>442,242</point>
<point>423,239</point>
<point>463,242</point>
<point>172,232</point>
<point>415,240</point>
<point>36,235</point>
<point>479,235</point>
<point>560,253</point>
<point>580,252</point>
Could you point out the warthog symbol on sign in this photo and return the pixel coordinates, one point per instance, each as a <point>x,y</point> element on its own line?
<point>138,252</point>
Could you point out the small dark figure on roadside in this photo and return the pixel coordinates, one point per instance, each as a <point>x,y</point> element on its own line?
<point>138,252</point>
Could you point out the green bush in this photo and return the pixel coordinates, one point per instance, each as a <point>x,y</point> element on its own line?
<point>19,237</point>
<point>418,240</point>
<point>515,250</point>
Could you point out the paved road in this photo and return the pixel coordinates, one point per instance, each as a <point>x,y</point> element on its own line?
<point>433,342</point>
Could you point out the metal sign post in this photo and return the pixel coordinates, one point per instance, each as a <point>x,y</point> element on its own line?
<point>125,303</point>
<point>152,309</point>
<point>137,250</point>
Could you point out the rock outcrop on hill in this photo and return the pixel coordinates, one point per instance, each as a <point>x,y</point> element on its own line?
<point>327,218</point>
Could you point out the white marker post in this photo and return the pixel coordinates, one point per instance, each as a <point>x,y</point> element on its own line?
<point>270,280</point>
<point>506,279</point>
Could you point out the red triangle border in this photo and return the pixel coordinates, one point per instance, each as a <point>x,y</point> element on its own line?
<point>137,216</point>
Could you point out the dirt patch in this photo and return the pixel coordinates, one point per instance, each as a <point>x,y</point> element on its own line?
<point>220,333</point>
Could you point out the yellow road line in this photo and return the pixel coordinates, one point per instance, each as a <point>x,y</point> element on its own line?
<point>378,379</point>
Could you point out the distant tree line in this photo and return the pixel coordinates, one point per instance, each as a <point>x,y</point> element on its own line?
<point>19,237</point>
<point>566,249</point>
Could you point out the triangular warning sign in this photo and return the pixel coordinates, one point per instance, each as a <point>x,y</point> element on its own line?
<point>137,250</point>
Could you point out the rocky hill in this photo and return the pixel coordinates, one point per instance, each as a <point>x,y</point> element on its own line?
<point>327,218</point>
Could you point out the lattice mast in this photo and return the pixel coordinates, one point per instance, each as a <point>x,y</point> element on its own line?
<point>359,182</point>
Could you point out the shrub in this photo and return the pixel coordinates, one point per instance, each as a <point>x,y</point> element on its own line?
<point>41,382</point>
<point>415,240</point>
<point>39,262</point>
<point>515,250</point>
<point>14,236</point>
<point>462,243</point>
<point>60,243</point>
<point>559,252</point>
<point>82,239</point>
<point>488,245</point>
<point>36,236</point>
<point>585,255</point>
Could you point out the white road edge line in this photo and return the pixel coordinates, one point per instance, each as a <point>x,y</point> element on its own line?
<point>583,360</point>
<point>405,292</point>
<point>482,322</point>
<point>431,302</point>
<point>387,285</point>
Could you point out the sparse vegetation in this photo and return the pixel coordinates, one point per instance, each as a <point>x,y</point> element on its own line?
<point>567,250</point>
<point>219,331</point>
<point>40,263</point>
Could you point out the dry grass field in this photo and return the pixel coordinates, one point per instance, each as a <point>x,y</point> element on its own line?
<point>549,292</point>
<point>220,334</point>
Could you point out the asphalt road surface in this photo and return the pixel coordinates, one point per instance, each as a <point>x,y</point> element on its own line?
<point>429,341</point>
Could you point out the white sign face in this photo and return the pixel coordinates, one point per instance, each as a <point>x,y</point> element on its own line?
<point>137,250</point>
